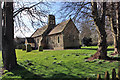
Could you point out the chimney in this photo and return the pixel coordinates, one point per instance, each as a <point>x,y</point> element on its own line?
<point>51,21</point>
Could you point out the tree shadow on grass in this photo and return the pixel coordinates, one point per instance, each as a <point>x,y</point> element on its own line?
<point>90,48</point>
<point>27,75</point>
<point>115,58</point>
<point>63,75</point>
<point>110,49</point>
<point>23,73</point>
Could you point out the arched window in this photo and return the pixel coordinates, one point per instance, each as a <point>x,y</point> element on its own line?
<point>58,39</point>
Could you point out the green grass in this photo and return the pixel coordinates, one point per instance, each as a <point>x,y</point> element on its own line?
<point>0,58</point>
<point>59,64</point>
<point>0,63</point>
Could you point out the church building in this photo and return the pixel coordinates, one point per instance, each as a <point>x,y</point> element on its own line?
<point>55,36</point>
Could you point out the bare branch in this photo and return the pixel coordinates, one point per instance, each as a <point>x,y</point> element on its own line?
<point>23,8</point>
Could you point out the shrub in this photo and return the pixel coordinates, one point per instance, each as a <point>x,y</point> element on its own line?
<point>87,41</point>
<point>28,48</point>
<point>80,46</point>
<point>19,46</point>
<point>40,48</point>
<point>23,47</point>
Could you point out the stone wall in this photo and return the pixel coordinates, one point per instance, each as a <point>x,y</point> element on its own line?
<point>71,36</point>
<point>55,41</point>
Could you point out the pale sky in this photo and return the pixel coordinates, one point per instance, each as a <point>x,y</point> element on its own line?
<point>63,0</point>
<point>53,10</point>
<point>32,30</point>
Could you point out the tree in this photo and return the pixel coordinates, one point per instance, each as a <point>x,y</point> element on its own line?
<point>118,23</point>
<point>85,31</point>
<point>112,19</point>
<point>97,13</point>
<point>32,12</point>
<point>86,41</point>
<point>113,14</point>
<point>99,20</point>
<point>8,50</point>
<point>0,27</point>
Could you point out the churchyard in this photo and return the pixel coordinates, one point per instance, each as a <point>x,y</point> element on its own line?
<point>70,63</point>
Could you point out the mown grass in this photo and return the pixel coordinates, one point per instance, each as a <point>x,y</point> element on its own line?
<point>0,64</point>
<point>0,58</point>
<point>59,64</point>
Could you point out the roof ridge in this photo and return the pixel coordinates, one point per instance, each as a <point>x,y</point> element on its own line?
<point>59,27</point>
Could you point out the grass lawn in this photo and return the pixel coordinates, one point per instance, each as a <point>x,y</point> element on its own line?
<point>0,58</point>
<point>60,64</point>
<point>0,63</point>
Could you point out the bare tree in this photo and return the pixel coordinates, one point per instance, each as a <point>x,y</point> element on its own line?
<point>118,23</point>
<point>85,31</point>
<point>8,50</point>
<point>112,19</point>
<point>76,11</point>
<point>34,13</point>
<point>113,15</point>
<point>9,15</point>
<point>99,20</point>
<point>0,27</point>
<point>91,11</point>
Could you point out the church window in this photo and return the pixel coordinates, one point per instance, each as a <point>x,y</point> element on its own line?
<point>58,39</point>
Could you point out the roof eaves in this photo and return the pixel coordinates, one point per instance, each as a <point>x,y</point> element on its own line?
<point>54,33</point>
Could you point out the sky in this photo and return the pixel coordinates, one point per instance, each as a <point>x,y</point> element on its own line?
<point>63,0</point>
<point>53,10</point>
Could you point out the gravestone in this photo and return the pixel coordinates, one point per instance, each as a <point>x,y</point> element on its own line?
<point>28,48</point>
<point>40,48</point>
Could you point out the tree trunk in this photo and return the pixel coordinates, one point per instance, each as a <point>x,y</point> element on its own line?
<point>113,21</point>
<point>100,26</point>
<point>102,42</point>
<point>114,33</point>
<point>118,23</point>
<point>115,26</point>
<point>0,27</point>
<point>8,51</point>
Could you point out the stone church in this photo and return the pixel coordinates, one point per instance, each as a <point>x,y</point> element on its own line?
<point>61,36</point>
